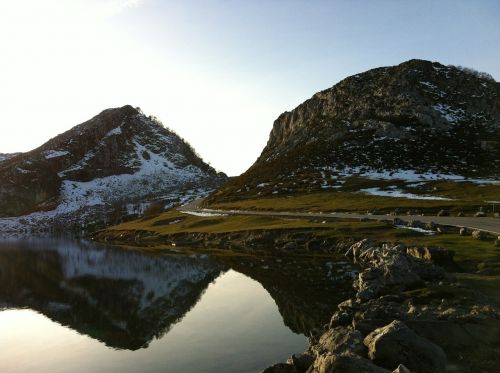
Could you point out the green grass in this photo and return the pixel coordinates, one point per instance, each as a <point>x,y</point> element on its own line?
<point>185,223</point>
<point>466,197</point>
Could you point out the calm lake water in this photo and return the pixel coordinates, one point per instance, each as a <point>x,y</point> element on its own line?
<point>68,306</point>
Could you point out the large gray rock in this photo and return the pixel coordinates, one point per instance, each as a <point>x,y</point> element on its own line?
<point>340,340</point>
<point>435,254</point>
<point>347,363</point>
<point>478,235</point>
<point>396,344</point>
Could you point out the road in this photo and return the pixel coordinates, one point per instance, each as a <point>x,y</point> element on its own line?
<point>490,225</point>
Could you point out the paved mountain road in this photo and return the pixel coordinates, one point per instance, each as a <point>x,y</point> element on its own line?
<point>491,225</point>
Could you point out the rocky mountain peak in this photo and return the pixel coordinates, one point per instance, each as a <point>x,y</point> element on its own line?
<point>418,116</point>
<point>120,157</point>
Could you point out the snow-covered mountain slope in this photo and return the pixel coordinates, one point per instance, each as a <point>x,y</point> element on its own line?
<point>418,118</point>
<point>102,169</point>
<point>127,298</point>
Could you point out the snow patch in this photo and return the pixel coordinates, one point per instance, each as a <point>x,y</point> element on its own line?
<point>203,213</point>
<point>114,132</point>
<point>397,193</point>
<point>49,154</point>
<point>416,229</point>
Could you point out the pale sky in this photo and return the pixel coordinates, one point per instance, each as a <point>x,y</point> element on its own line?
<point>216,72</point>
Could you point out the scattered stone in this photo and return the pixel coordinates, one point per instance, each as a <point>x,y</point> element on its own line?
<point>480,214</point>
<point>497,243</point>
<point>443,213</point>
<point>478,235</point>
<point>496,215</point>
<point>460,214</point>
<point>396,344</point>
<point>464,231</point>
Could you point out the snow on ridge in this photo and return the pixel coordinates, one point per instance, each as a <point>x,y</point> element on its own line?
<point>397,193</point>
<point>114,132</point>
<point>49,154</point>
<point>450,114</point>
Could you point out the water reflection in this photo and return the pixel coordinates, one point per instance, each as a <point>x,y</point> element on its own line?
<point>157,312</point>
<point>122,298</point>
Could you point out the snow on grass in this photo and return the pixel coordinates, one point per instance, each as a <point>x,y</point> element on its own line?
<point>203,213</point>
<point>416,229</point>
<point>397,193</point>
<point>49,154</point>
<point>399,174</point>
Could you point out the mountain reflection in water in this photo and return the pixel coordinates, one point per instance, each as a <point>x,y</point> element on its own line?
<point>127,299</point>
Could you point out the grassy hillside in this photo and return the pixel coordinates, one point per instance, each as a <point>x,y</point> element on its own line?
<point>458,197</point>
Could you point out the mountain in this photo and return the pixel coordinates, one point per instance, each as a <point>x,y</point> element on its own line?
<point>419,120</point>
<point>115,164</point>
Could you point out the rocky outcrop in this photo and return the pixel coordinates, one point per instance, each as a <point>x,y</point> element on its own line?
<point>418,117</point>
<point>408,315</point>
<point>111,166</point>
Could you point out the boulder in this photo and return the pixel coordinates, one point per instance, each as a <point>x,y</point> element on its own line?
<point>431,226</point>
<point>401,369</point>
<point>397,221</point>
<point>478,235</point>
<point>347,363</point>
<point>460,214</point>
<point>435,254</point>
<point>301,362</point>
<point>359,247</point>
<point>496,243</point>
<point>340,340</point>
<point>480,214</point>
<point>396,344</point>
<point>463,231</point>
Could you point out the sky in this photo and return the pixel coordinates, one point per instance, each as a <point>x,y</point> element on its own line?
<point>218,73</point>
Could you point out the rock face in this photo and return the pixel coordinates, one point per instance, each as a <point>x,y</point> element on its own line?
<point>115,161</point>
<point>396,343</point>
<point>416,118</point>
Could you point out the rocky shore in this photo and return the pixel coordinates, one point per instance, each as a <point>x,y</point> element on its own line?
<point>408,315</point>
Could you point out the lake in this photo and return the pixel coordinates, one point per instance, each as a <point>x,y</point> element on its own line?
<point>76,306</point>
